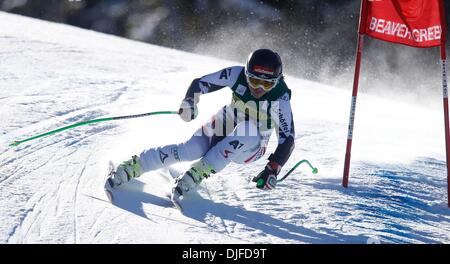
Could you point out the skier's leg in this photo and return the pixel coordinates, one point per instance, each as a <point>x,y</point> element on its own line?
<point>160,157</point>
<point>246,157</point>
<point>244,141</point>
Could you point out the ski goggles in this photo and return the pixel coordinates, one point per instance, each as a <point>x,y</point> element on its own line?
<point>258,82</point>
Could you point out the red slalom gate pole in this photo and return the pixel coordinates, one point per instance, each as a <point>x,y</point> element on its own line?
<point>353,110</point>
<point>445,95</point>
<point>446,123</point>
<point>359,49</point>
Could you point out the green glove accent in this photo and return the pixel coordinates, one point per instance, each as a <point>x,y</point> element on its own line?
<point>260,183</point>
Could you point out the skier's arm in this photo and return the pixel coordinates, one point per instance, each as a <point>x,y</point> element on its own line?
<point>267,179</point>
<point>209,83</point>
<point>286,133</point>
<point>213,82</point>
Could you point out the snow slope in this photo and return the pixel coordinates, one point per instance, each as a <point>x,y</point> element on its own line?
<point>51,189</point>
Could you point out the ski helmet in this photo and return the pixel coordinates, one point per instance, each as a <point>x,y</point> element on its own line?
<point>264,64</point>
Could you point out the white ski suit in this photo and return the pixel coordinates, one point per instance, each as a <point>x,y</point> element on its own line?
<point>239,132</point>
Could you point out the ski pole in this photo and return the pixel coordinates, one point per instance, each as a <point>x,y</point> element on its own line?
<point>314,170</point>
<point>18,142</point>
<point>260,182</point>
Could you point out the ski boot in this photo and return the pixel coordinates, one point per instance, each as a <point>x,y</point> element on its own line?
<point>126,171</point>
<point>190,180</point>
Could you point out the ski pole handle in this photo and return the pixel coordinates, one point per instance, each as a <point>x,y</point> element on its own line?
<point>18,142</point>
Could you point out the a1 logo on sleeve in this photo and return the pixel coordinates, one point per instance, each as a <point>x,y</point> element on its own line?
<point>225,74</point>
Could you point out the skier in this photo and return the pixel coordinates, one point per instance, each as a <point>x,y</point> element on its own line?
<point>239,132</point>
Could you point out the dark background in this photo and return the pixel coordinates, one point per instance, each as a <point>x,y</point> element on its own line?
<point>315,38</point>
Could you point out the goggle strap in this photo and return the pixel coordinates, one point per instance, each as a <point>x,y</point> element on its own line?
<point>259,78</point>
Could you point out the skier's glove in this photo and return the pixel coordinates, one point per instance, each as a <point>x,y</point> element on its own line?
<point>188,110</point>
<point>267,179</point>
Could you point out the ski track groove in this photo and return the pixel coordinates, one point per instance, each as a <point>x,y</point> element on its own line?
<point>16,175</point>
<point>225,227</point>
<point>34,220</point>
<point>231,228</point>
<point>14,229</point>
<point>22,220</point>
<point>70,114</point>
<point>76,199</point>
<point>31,151</point>
<point>25,173</point>
<point>96,221</point>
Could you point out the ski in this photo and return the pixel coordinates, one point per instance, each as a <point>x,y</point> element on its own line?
<point>108,187</point>
<point>175,201</point>
<point>172,174</point>
<point>176,204</point>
